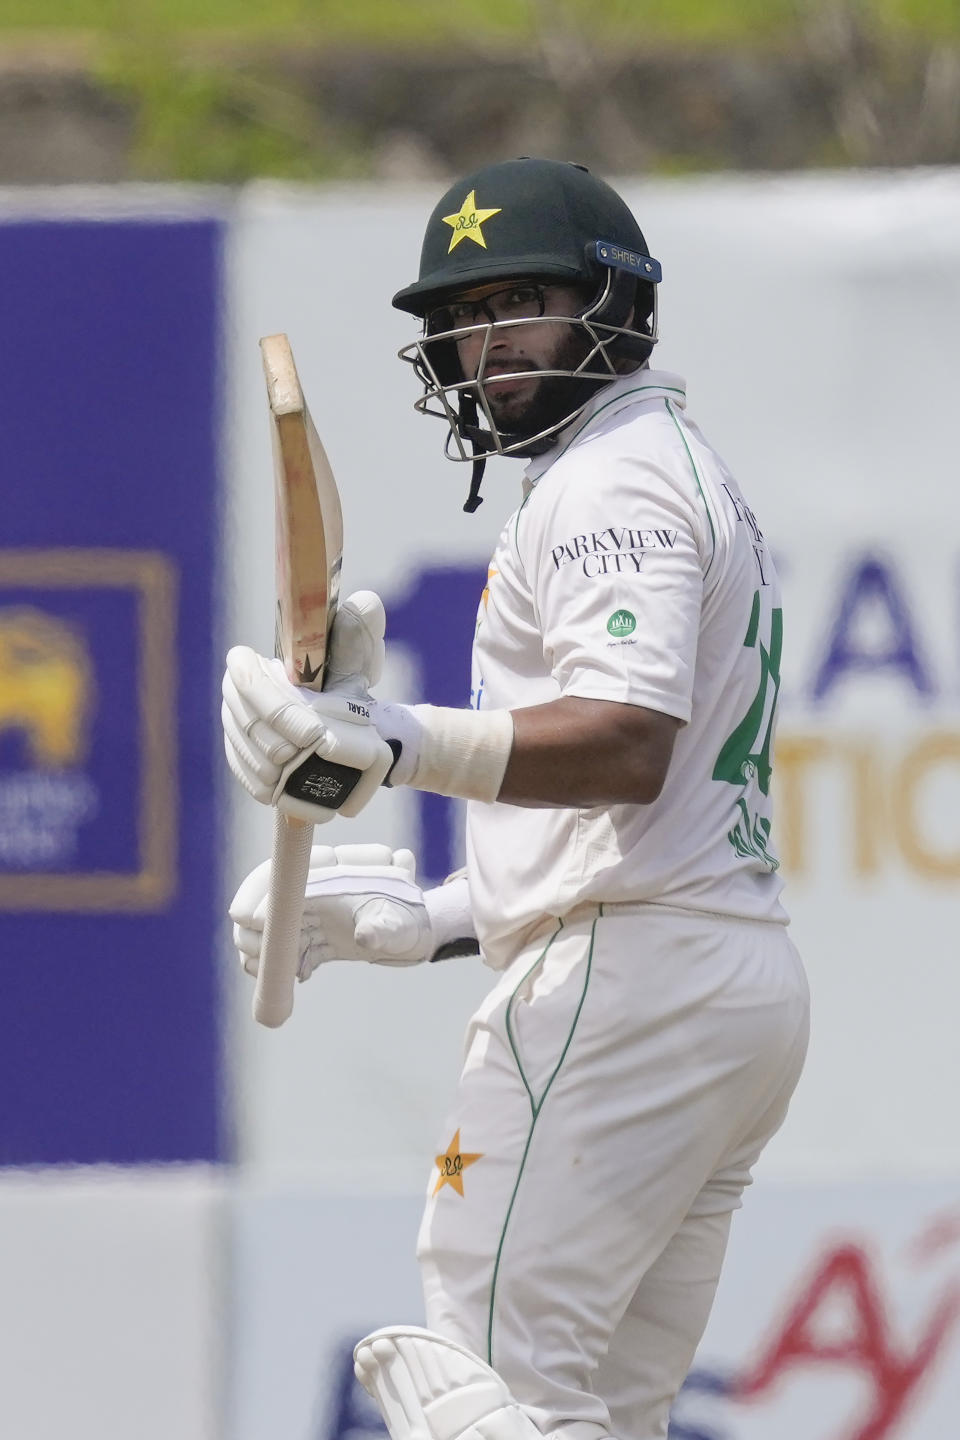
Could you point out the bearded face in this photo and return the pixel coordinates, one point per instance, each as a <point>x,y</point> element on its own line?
<point>524,407</point>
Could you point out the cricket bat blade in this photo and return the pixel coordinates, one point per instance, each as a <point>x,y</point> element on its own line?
<point>308,547</point>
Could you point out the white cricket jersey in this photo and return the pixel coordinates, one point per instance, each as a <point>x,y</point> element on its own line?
<point>633,571</point>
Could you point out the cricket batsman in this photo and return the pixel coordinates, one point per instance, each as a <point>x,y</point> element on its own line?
<point>648,1018</point>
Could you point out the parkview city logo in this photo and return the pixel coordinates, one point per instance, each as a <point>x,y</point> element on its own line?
<point>615,550</point>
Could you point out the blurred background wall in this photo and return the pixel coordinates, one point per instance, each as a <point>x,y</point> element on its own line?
<point>199,1217</point>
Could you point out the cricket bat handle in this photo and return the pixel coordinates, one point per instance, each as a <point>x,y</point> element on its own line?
<point>280,950</point>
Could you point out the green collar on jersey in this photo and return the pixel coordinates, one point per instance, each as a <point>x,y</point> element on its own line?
<point>637,387</point>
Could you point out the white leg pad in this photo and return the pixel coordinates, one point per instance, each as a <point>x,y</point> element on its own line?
<point>430,1388</point>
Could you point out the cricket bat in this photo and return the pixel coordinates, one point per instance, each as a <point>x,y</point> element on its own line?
<point>309,548</point>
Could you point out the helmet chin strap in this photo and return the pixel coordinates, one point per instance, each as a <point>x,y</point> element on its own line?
<point>471,430</point>
<point>474,499</point>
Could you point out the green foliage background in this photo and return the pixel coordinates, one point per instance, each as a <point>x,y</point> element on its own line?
<point>429,22</point>
<point>209,87</point>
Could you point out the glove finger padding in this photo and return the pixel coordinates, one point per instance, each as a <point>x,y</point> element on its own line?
<point>241,768</point>
<point>265,706</point>
<point>326,857</point>
<point>356,653</point>
<point>312,754</point>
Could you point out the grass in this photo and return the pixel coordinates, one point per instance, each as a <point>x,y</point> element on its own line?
<point>438,22</point>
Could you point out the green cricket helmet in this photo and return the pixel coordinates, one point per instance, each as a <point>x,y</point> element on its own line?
<point>545,222</point>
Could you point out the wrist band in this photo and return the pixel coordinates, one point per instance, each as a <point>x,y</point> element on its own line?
<point>451,920</point>
<point>463,753</point>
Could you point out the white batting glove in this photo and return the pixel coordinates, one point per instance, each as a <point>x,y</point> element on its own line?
<point>362,903</point>
<point>354,666</point>
<point>399,726</point>
<point>316,755</point>
<point>356,652</point>
<point>312,754</point>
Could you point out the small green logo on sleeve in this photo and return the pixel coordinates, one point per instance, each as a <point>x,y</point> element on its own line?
<point>621,623</point>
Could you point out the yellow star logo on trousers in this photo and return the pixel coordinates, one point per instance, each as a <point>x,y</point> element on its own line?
<point>452,1165</point>
<point>467,225</point>
<point>485,597</point>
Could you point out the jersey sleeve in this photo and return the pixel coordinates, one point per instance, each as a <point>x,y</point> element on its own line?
<point>615,559</point>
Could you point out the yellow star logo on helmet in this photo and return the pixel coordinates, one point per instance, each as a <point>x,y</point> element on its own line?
<point>466,225</point>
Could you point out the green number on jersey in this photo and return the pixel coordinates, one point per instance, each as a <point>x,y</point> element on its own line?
<point>745,755</point>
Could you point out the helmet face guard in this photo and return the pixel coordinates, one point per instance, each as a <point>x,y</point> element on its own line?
<point>607,346</point>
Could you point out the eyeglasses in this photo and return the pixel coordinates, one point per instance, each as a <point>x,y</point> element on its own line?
<point>514,302</point>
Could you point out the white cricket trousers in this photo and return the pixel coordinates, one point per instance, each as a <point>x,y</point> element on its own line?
<point>619,1082</point>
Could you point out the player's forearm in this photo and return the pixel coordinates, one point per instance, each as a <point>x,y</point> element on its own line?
<point>573,752</point>
<point>570,752</point>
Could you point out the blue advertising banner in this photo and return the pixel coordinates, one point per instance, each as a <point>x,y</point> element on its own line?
<point>109,412</point>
